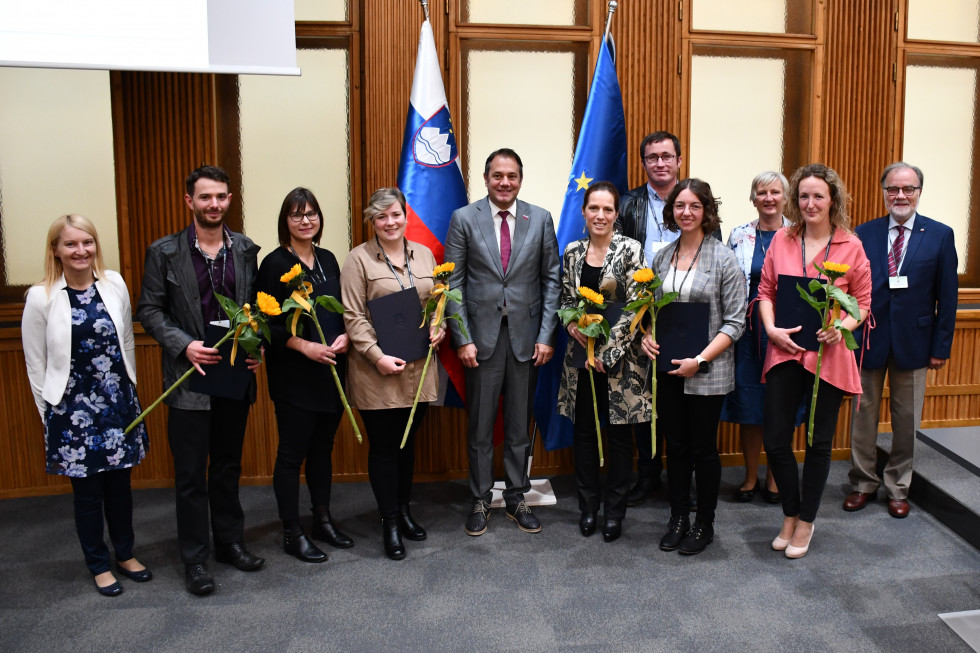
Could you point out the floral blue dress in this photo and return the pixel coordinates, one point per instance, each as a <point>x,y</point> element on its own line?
<point>83,435</point>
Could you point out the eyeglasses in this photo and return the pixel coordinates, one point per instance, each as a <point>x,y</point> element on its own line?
<point>653,158</point>
<point>312,216</point>
<point>680,206</point>
<point>907,190</point>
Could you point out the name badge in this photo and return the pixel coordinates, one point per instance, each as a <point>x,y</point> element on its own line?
<point>897,283</point>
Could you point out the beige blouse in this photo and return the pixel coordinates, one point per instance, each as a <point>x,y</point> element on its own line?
<point>366,276</point>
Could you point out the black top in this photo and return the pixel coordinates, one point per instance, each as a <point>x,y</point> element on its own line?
<point>293,378</point>
<point>591,276</point>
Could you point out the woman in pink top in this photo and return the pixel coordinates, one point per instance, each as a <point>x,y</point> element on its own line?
<point>818,207</point>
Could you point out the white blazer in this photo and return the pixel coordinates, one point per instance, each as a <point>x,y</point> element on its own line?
<point>46,333</point>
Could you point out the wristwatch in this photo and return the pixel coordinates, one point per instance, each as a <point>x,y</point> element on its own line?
<point>702,363</point>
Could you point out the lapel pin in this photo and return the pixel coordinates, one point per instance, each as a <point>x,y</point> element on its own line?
<point>525,217</point>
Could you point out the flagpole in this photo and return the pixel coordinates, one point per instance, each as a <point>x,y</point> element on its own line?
<point>612,9</point>
<point>425,8</point>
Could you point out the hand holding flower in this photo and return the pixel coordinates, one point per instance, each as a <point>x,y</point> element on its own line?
<point>389,365</point>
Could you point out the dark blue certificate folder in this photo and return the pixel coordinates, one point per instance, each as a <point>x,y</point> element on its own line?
<point>396,319</point>
<point>791,310</point>
<point>682,332</point>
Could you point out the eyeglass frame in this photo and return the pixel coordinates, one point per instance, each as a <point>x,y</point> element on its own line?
<point>296,217</point>
<point>653,158</point>
<point>908,191</point>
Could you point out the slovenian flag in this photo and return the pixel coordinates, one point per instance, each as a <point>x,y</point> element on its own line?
<point>600,155</point>
<point>429,172</point>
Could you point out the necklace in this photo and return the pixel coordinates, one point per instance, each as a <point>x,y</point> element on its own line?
<point>677,261</point>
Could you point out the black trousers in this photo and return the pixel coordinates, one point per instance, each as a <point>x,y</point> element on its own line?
<point>691,427</point>
<point>207,450</point>
<point>309,436</point>
<point>786,384</point>
<point>107,492</point>
<point>391,469</point>
<point>619,455</point>
<point>647,466</point>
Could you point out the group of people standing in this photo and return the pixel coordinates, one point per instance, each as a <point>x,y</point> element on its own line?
<point>78,341</point>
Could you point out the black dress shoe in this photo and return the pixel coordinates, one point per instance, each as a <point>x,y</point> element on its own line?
<point>392,537</point>
<point>643,490</point>
<point>612,529</point>
<point>697,539</point>
<point>409,527</point>
<point>297,544</point>
<point>476,523</point>
<point>110,590</point>
<point>586,524</point>
<point>325,530</point>
<point>746,496</point>
<point>526,521</point>
<point>677,528</point>
<point>237,555</point>
<point>197,579</point>
<point>140,576</point>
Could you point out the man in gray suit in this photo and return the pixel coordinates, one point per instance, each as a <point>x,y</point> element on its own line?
<point>506,257</point>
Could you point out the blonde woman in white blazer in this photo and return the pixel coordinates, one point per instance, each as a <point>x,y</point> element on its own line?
<point>77,331</point>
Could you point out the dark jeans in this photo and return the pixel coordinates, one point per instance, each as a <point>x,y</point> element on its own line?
<point>107,491</point>
<point>391,469</point>
<point>619,455</point>
<point>207,451</point>
<point>691,426</point>
<point>303,435</point>
<point>786,384</point>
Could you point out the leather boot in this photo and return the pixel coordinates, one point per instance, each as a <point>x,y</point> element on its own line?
<point>297,544</point>
<point>392,538</point>
<point>325,531</point>
<point>408,526</point>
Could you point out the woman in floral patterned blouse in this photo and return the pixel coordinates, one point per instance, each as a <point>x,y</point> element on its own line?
<point>78,344</point>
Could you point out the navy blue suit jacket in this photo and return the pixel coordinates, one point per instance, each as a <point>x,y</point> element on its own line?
<point>914,323</point>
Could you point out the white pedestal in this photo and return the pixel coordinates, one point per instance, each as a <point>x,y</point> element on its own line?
<point>541,494</point>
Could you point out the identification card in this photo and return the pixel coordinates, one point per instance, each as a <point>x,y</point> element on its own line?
<point>897,283</point>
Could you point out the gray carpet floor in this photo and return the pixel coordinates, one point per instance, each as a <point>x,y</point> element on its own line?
<point>869,583</point>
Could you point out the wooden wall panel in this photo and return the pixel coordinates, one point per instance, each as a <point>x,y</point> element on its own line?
<point>858,125</point>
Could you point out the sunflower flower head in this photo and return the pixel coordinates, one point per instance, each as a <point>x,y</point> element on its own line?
<point>293,272</point>
<point>268,304</point>
<point>644,275</point>
<point>590,295</point>
<point>444,270</point>
<point>836,270</point>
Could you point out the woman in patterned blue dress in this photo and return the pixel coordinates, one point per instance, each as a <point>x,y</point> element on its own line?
<point>78,343</point>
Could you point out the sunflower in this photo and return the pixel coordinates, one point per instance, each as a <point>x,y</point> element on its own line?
<point>590,295</point>
<point>644,275</point>
<point>294,272</point>
<point>445,268</point>
<point>268,304</point>
<point>839,268</point>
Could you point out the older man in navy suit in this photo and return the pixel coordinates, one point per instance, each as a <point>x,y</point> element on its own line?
<point>506,257</point>
<point>913,301</point>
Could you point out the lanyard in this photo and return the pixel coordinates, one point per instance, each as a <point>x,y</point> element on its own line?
<point>677,261</point>
<point>316,269</point>
<point>408,265</point>
<point>826,254</point>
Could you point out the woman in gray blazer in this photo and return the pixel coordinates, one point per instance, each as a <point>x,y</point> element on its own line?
<point>78,344</point>
<point>689,396</point>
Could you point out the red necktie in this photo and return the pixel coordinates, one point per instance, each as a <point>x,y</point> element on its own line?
<point>504,240</point>
<point>895,254</point>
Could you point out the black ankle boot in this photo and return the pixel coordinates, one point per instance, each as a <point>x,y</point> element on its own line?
<point>408,526</point>
<point>297,544</point>
<point>392,538</point>
<point>325,531</point>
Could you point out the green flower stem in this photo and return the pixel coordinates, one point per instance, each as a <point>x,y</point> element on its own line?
<point>816,376</point>
<point>411,415</point>
<point>595,411</point>
<point>653,393</point>
<point>167,392</point>
<point>336,380</point>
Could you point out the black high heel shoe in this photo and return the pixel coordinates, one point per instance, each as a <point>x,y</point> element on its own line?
<point>745,496</point>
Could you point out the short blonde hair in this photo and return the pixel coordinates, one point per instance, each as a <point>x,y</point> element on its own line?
<point>381,200</point>
<point>52,264</point>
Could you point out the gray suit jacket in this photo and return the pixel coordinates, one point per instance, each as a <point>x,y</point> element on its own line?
<point>530,288</point>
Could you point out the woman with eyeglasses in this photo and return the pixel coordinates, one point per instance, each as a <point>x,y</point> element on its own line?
<point>689,396</point>
<point>382,385</point>
<point>308,406</point>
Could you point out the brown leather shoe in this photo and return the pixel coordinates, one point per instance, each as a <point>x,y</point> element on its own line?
<point>898,508</point>
<point>857,500</point>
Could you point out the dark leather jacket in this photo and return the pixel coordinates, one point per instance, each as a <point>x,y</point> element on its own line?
<point>632,220</point>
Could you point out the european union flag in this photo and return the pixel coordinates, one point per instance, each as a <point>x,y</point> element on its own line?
<point>600,155</point>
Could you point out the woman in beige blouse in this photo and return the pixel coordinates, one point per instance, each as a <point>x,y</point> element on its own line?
<point>380,385</point>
